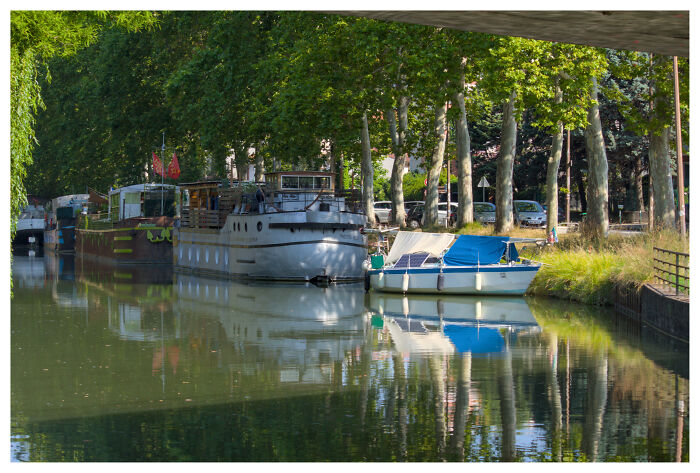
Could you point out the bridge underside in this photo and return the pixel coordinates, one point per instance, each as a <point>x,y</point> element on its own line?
<point>658,32</point>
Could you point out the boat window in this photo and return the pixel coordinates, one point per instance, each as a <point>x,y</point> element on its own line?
<point>306,182</point>
<point>290,182</point>
<point>322,182</point>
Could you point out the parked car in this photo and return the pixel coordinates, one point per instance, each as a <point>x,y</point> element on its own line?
<point>442,213</point>
<point>408,206</point>
<point>381,211</point>
<point>529,213</point>
<point>414,217</point>
<point>484,212</point>
<point>561,213</point>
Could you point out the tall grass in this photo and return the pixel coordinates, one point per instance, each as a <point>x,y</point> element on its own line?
<point>587,269</point>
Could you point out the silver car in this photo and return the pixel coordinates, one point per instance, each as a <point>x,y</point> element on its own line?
<point>381,211</point>
<point>484,212</point>
<point>529,213</point>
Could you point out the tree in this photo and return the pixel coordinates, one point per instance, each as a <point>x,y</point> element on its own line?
<point>504,169</point>
<point>36,37</point>
<point>597,189</point>
<point>465,207</point>
<point>511,75</point>
<point>560,102</point>
<point>643,89</point>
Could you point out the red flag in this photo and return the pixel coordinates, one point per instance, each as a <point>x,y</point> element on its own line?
<point>174,168</point>
<point>157,165</point>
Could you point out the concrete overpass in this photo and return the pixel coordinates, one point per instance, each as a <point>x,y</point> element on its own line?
<point>664,32</point>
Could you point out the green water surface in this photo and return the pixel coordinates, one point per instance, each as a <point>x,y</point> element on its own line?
<point>140,364</point>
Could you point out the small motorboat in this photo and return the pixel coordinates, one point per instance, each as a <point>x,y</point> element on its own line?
<point>443,263</point>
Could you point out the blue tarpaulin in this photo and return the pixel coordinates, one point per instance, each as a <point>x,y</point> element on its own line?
<point>471,250</point>
<point>476,340</point>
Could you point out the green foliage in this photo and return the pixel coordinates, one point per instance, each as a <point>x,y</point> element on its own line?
<point>292,83</point>
<point>414,185</point>
<point>637,80</point>
<point>36,37</point>
<point>24,103</point>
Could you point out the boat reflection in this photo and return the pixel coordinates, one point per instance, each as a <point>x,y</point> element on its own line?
<point>28,271</point>
<point>301,327</point>
<point>453,324</point>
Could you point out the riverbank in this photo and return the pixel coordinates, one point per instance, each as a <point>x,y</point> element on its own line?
<point>590,270</point>
<point>586,269</point>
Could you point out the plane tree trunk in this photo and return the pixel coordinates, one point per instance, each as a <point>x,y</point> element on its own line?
<point>431,198</point>
<point>465,200</point>
<point>504,168</point>
<point>660,169</point>
<point>398,137</point>
<point>597,188</point>
<point>367,172</point>
<point>259,164</point>
<point>553,171</point>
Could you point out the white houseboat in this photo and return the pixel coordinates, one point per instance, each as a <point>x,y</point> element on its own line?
<point>30,225</point>
<point>59,233</point>
<point>294,227</point>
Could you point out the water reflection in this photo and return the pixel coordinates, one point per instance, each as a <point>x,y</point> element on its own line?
<point>133,364</point>
<point>453,324</point>
<point>301,330</point>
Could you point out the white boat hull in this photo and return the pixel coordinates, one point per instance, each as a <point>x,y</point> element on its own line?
<point>29,227</point>
<point>285,246</point>
<point>488,279</point>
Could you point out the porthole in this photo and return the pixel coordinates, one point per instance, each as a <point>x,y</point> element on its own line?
<point>246,226</point>
<point>259,226</point>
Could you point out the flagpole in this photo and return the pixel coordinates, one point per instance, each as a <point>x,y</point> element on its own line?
<point>162,171</point>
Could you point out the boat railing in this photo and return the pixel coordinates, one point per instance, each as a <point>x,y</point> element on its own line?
<point>202,218</point>
<point>97,221</point>
<point>278,202</point>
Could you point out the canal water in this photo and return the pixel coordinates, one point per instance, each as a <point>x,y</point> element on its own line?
<point>140,364</point>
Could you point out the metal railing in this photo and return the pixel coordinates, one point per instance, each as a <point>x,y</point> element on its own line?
<point>672,268</point>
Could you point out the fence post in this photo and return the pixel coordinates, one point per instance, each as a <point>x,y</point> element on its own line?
<point>677,255</point>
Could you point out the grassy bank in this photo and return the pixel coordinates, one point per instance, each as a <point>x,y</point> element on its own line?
<point>587,269</point>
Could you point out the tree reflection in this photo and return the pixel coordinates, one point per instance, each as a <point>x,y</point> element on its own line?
<point>128,373</point>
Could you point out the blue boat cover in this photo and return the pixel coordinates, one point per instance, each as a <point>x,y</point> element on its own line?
<point>471,250</point>
<point>476,340</point>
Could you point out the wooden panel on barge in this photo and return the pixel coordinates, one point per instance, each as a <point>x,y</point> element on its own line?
<point>133,240</point>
